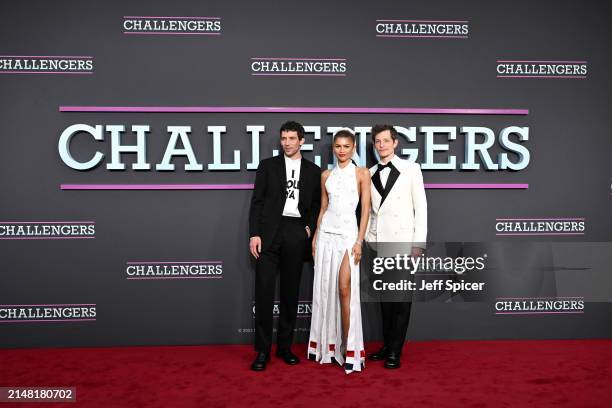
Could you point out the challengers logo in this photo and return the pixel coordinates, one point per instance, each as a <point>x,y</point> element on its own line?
<point>273,66</point>
<point>28,230</point>
<point>541,69</point>
<point>552,305</point>
<point>48,313</point>
<point>540,226</point>
<point>304,309</point>
<point>34,64</point>
<point>141,270</point>
<point>172,25</point>
<point>422,28</point>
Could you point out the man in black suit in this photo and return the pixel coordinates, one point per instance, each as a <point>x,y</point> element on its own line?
<point>283,216</point>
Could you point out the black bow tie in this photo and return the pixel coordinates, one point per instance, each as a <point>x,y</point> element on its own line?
<point>385,166</point>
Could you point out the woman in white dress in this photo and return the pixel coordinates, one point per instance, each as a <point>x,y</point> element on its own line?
<point>335,330</point>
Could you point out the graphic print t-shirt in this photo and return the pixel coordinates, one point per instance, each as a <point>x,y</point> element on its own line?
<point>293,193</point>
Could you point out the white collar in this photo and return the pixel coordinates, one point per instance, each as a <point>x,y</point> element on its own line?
<point>290,160</point>
<point>395,160</point>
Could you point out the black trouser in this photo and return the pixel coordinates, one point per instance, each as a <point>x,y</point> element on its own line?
<point>285,255</point>
<point>395,306</point>
<point>395,319</point>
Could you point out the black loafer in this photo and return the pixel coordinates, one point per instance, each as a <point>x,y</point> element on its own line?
<point>392,361</point>
<point>380,354</point>
<point>260,361</point>
<point>287,356</point>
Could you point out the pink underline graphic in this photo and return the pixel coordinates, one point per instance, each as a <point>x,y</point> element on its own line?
<point>539,62</point>
<point>176,17</point>
<point>482,186</point>
<point>298,109</point>
<point>543,233</point>
<point>177,263</point>
<point>337,75</point>
<point>421,21</point>
<point>539,219</point>
<point>525,313</point>
<point>47,320</point>
<point>52,305</point>
<point>45,56</point>
<point>544,76</point>
<point>156,186</point>
<point>166,33</point>
<point>176,278</point>
<point>47,222</point>
<point>531,298</point>
<point>512,186</point>
<point>45,72</point>
<point>297,59</point>
<point>420,36</point>
<point>35,238</point>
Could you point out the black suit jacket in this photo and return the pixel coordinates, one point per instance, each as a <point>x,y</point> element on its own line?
<point>270,193</point>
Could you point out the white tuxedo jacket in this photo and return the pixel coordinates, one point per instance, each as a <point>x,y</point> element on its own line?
<point>399,214</point>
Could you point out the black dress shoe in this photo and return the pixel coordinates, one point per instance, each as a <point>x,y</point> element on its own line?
<point>287,356</point>
<point>260,361</point>
<point>393,360</point>
<point>380,354</point>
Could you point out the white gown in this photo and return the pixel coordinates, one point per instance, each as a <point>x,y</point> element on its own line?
<point>336,236</point>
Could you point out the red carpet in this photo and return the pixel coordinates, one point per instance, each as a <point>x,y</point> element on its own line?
<point>476,374</point>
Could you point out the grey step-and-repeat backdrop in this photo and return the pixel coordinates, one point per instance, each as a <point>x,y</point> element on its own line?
<point>131,132</point>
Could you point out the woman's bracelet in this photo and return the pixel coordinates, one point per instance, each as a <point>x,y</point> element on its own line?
<point>359,242</point>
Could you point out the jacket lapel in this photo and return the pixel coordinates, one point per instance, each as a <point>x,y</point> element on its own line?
<point>377,183</point>
<point>393,176</point>
<point>300,182</point>
<point>283,173</point>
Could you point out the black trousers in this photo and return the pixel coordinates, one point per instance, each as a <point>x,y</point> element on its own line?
<point>395,307</point>
<point>284,256</point>
<point>395,319</point>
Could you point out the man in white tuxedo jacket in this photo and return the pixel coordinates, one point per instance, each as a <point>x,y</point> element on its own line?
<point>398,214</point>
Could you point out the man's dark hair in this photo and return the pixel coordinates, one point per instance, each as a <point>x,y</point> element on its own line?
<point>376,129</point>
<point>292,126</point>
<point>344,133</point>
